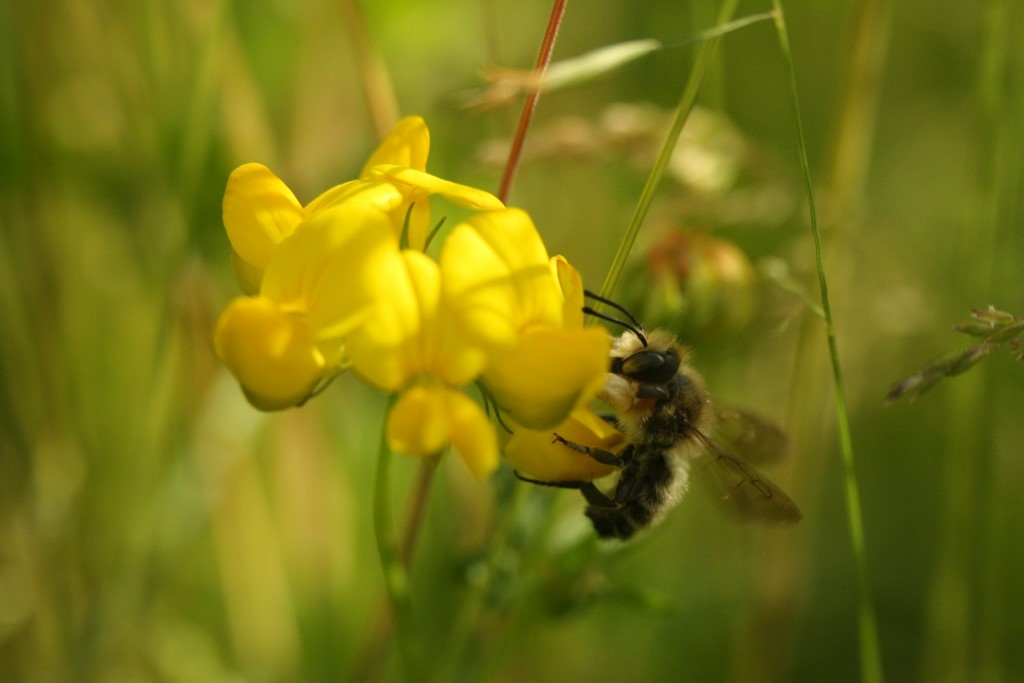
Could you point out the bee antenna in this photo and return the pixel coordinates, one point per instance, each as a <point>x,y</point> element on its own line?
<point>587,310</point>
<point>635,328</point>
<point>617,306</point>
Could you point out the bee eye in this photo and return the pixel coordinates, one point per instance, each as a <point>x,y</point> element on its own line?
<point>652,367</point>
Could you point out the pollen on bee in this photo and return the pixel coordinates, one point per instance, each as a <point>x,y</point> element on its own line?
<point>618,393</point>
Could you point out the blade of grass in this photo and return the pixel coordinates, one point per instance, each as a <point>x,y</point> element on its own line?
<point>965,628</point>
<point>999,96</point>
<point>870,652</point>
<point>505,85</point>
<point>686,102</point>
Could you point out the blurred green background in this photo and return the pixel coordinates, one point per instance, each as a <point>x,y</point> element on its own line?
<point>153,527</point>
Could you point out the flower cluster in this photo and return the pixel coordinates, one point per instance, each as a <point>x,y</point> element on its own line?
<point>345,282</point>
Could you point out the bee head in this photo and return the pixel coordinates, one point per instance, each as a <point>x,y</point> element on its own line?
<point>648,366</point>
<point>651,369</point>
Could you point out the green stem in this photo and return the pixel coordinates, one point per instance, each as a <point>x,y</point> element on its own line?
<point>473,603</point>
<point>370,663</point>
<point>396,578</point>
<point>870,652</point>
<point>686,102</point>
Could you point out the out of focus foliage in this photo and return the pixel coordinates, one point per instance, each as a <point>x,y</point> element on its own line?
<point>154,527</point>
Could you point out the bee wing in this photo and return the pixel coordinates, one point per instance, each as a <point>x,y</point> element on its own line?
<point>745,492</point>
<point>752,437</point>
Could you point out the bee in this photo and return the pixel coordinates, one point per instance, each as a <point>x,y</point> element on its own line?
<point>663,408</point>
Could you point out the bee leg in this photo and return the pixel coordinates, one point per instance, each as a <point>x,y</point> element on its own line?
<point>595,497</point>
<point>591,493</point>
<point>554,484</point>
<point>602,456</point>
<point>648,390</point>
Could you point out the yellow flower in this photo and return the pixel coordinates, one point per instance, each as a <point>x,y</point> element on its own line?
<point>330,286</point>
<point>314,273</point>
<point>412,332</point>
<point>533,451</point>
<point>418,186</point>
<point>536,455</point>
<point>408,144</point>
<point>318,285</point>
<point>402,159</point>
<point>496,307</point>
<point>270,350</point>
<point>260,211</point>
<point>427,418</point>
<point>412,346</point>
<point>549,374</point>
<point>497,274</point>
<point>510,298</point>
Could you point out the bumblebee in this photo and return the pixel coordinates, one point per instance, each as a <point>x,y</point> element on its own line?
<point>663,408</point>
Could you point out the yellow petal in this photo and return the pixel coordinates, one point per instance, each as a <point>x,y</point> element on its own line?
<point>412,332</point>
<point>272,353</point>
<point>407,145</point>
<point>497,276</point>
<point>479,286</point>
<point>395,201</point>
<point>426,419</point>
<point>358,190</point>
<point>535,454</point>
<point>598,427</point>
<point>259,212</point>
<point>571,284</point>
<point>473,435</point>
<point>551,373</point>
<point>423,183</point>
<point>248,276</point>
<point>385,349</point>
<point>334,266</point>
<point>417,424</point>
<point>512,236</point>
<point>419,224</point>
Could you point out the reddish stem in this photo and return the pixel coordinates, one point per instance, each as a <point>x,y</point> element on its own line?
<point>530,104</point>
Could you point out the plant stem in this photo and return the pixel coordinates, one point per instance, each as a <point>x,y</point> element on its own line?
<point>686,102</point>
<point>370,661</point>
<point>530,104</point>
<point>870,653</point>
<point>378,91</point>
<point>473,602</point>
<point>396,578</point>
<point>416,505</point>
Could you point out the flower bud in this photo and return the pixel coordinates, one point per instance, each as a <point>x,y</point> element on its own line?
<point>694,282</point>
